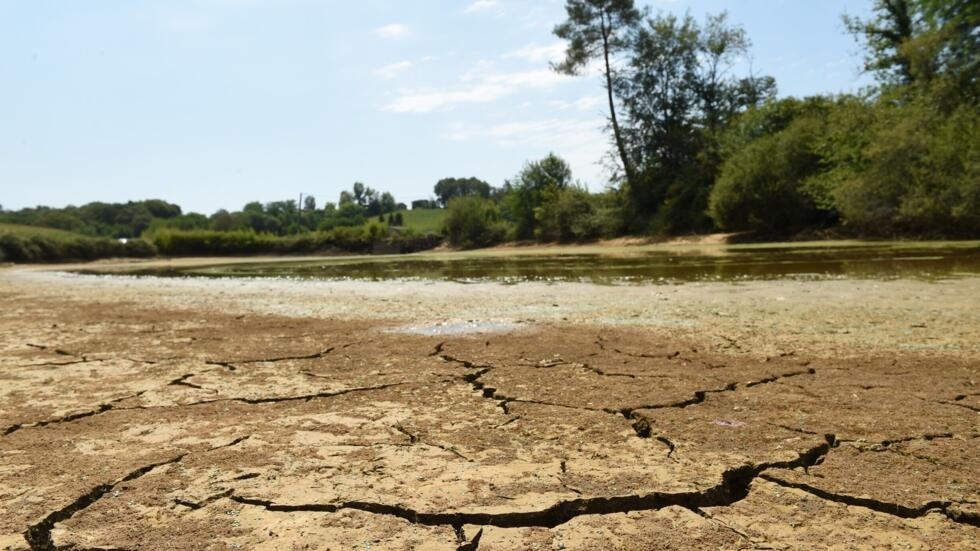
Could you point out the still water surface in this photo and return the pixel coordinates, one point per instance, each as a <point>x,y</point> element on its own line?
<point>923,261</point>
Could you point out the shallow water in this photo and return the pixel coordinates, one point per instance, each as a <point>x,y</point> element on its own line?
<point>923,261</point>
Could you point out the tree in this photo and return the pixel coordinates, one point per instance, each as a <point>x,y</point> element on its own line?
<point>932,43</point>
<point>448,188</point>
<point>678,92</point>
<point>599,29</point>
<point>529,189</point>
<point>309,203</point>
<point>358,193</point>
<point>887,36</point>
<point>388,203</point>
<point>472,221</point>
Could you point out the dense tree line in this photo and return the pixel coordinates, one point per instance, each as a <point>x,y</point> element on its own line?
<point>119,220</point>
<point>697,147</point>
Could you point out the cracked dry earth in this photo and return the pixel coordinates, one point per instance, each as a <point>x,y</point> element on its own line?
<point>157,414</point>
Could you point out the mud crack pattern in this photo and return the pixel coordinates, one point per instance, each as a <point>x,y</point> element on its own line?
<point>271,432</point>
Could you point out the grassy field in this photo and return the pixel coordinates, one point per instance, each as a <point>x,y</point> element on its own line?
<point>424,220</point>
<point>31,231</point>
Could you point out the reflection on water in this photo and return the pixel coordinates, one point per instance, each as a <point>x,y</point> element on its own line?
<point>872,261</point>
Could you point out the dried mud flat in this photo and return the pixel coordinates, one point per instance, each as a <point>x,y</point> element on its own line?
<point>246,414</point>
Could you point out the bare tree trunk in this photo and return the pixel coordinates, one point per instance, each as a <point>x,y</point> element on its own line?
<point>617,134</point>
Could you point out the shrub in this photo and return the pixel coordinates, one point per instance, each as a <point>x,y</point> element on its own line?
<point>473,222</point>
<point>762,186</point>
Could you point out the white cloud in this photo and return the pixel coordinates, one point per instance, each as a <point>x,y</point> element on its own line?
<point>535,53</point>
<point>585,103</point>
<point>480,86</point>
<point>580,142</point>
<point>393,70</point>
<point>481,6</point>
<point>427,101</point>
<point>393,31</point>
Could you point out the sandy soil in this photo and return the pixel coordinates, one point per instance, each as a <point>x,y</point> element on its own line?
<point>144,413</point>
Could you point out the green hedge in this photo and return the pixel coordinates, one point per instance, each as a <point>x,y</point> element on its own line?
<point>50,247</point>
<point>361,239</point>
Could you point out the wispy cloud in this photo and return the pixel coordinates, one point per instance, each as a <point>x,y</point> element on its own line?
<point>482,6</point>
<point>580,141</point>
<point>535,53</point>
<point>393,70</point>
<point>585,103</point>
<point>393,31</point>
<point>479,86</point>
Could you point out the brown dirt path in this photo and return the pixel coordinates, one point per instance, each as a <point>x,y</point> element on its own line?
<point>235,414</point>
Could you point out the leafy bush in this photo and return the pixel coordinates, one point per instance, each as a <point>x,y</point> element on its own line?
<point>473,222</point>
<point>920,173</point>
<point>573,214</point>
<point>763,186</point>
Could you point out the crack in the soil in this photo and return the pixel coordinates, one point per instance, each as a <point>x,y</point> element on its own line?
<point>734,487</point>
<point>601,343</point>
<point>863,446</point>
<point>416,439</point>
<point>195,505</point>
<point>699,397</point>
<point>111,406</point>
<point>234,442</point>
<point>946,508</point>
<point>182,381</point>
<point>38,535</point>
<point>300,398</point>
<point>100,409</point>
<point>313,356</point>
<point>472,545</point>
<point>670,445</point>
<point>774,378</point>
<point>602,373</point>
<point>711,518</point>
<point>58,351</point>
<point>227,365</point>
<point>966,406</point>
<point>62,364</point>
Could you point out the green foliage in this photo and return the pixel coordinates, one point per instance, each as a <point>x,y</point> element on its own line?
<point>423,221</point>
<point>536,181</point>
<point>473,222</point>
<point>448,188</point>
<point>762,186</point>
<point>573,214</point>
<point>30,244</point>
<point>120,220</point>
<point>929,44</point>
<point>918,173</point>
<point>678,94</point>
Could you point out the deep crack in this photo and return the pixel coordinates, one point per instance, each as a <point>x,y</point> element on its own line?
<point>733,487</point>
<point>38,535</point>
<point>947,508</point>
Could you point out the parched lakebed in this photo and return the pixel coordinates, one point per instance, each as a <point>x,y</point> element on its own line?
<point>251,413</point>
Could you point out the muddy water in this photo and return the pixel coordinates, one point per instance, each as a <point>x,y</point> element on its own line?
<point>882,261</point>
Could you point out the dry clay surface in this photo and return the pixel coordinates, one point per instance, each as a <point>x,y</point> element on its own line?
<point>238,414</point>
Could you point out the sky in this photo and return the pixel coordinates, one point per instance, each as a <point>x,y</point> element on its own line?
<point>215,103</point>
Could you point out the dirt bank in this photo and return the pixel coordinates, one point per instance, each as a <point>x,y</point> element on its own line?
<point>251,414</point>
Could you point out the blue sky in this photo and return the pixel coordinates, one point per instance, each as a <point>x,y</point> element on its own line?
<point>214,103</point>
